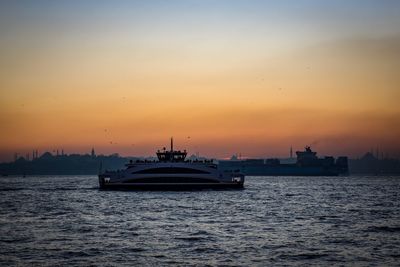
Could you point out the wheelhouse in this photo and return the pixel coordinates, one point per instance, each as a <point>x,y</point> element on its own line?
<point>171,155</point>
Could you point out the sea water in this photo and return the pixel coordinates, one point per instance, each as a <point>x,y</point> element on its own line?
<point>274,221</point>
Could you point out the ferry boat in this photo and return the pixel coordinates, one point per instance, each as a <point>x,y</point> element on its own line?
<point>172,171</point>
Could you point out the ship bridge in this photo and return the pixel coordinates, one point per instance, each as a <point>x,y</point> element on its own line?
<point>172,155</point>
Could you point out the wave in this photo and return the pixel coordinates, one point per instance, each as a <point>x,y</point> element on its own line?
<point>303,256</point>
<point>388,229</point>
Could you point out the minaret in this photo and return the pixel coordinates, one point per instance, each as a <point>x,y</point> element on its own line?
<point>172,144</point>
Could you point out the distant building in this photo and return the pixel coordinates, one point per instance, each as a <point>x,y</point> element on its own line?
<point>93,154</point>
<point>73,164</point>
<point>234,157</point>
<point>371,164</point>
<point>46,155</point>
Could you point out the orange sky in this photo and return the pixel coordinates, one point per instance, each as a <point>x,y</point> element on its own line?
<point>230,81</point>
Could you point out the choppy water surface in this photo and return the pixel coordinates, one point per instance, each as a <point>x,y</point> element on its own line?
<point>49,221</point>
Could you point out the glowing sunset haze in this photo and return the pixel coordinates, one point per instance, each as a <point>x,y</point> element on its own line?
<point>222,77</point>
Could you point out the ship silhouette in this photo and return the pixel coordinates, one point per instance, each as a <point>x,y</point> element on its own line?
<point>307,164</point>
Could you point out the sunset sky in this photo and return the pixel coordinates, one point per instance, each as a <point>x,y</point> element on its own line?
<point>221,76</point>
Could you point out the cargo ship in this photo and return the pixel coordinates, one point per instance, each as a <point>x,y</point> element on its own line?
<point>307,163</point>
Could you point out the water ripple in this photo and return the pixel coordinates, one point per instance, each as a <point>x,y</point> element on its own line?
<point>279,221</point>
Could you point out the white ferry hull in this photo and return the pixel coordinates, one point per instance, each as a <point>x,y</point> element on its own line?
<point>170,176</point>
<point>171,186</point>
